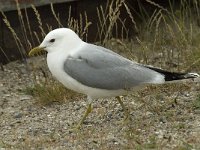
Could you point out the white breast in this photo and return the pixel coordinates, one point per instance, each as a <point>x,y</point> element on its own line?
<point>55,62</point>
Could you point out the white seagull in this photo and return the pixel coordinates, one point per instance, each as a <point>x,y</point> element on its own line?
<point>96,71</point>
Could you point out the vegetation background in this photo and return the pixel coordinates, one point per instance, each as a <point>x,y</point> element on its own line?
<point>166,37</point>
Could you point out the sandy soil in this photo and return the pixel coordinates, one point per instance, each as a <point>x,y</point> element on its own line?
<point>162,117</point>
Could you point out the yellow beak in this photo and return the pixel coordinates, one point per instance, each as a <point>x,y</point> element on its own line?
<point>35,50</point>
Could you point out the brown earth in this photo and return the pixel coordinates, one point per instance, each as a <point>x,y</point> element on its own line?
<point>162,117</point>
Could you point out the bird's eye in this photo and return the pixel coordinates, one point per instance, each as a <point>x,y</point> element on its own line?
<point>52,40</point>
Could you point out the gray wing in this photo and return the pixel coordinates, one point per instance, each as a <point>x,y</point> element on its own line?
<point>99,67</point>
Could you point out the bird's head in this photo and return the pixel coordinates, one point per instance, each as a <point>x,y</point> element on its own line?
<point>56,40</point>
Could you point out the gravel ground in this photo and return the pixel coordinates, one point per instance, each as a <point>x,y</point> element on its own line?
<point>162,117</point>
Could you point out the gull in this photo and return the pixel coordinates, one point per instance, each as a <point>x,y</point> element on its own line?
<point>96,71</point>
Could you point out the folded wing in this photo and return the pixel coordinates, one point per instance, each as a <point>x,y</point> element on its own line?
<point>97,67</point>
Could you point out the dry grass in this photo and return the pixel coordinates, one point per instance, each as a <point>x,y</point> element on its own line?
<point>110,20</point>
<point>167,38</point>
<point>50,92</point>
<point>174,41</point>
<point>171,33</point>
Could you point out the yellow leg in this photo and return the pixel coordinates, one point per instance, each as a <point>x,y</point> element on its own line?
<point>89,109</point>
<point>126,112</point>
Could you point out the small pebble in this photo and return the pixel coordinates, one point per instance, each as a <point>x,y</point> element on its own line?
<point>18,115</point>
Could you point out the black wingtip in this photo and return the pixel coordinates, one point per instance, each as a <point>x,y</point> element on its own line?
<point>191,75</point>
<point>170,76</point>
